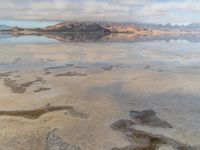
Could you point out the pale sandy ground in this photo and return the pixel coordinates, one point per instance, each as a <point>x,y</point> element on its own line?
<point>118,77</point>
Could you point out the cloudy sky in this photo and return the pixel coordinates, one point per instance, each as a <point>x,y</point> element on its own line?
<point>151,11</point>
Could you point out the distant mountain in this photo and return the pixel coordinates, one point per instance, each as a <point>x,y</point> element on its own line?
<point>81,30</point>
<point>4,27</point>
<point>90,27</point>
<point>168,26</point>
<point>105,28</point>
<point>193,26</point>
<point>77,27</point>
<point>89,31</point>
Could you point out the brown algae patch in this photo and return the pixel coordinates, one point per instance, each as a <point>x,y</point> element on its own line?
<point>140,140</point>
<point>6,74</point>
<point>28,84</point>
<point>15,87</point>
<point>148,118</point>
<point>36,113</point>
<point>73,73</point>
<point>19,88</point>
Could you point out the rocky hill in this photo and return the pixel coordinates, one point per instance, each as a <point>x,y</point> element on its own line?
<point>77,27</point>
<point>89,27</point>
<point>83,28</point>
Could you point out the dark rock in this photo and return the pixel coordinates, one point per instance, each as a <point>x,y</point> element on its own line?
<point>148,118</point>
<point>122,125</point>
<point>54,142</point>
<point>142,140</point>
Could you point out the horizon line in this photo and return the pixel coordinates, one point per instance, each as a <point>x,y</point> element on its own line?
<point>98,21</point>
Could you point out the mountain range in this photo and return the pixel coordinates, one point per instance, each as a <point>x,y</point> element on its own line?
<point>189,27</point>
<point>104,28</point>
<point>89,31</point>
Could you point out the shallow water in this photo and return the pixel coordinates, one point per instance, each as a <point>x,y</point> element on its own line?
<point>105,80</point>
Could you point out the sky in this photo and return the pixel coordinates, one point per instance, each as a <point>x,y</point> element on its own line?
<point>143,11</point>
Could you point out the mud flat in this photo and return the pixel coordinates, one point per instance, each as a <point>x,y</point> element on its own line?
<point>100,96</point>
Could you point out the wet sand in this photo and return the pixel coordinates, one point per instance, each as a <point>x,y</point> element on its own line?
<point>100,96</point>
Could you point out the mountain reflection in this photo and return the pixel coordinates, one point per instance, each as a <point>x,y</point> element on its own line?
<point>115,37</point>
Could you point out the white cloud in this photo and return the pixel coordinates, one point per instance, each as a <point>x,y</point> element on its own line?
<point>157,11</point>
